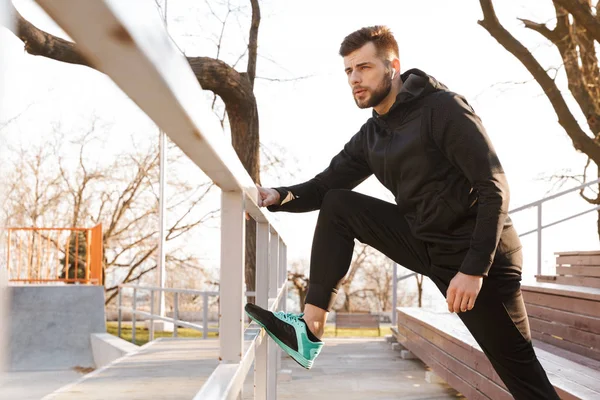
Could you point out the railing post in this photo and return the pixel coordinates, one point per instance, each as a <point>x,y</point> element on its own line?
<point>204,315</point>
<point>273,289</point>
<point>151,330</point>
<point>231,288</point>
<point>133,315</point>
<point>283,273</point>
<point>283,287</point>
<point>175,312</point>
<point>262,300</point>
<point>539,239</point>
<point>273,265</point>
<point>394,294</point>
<point>119,301</point>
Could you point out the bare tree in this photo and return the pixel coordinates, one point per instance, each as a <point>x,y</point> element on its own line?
<point>299,279</point>
<point>378,278</point>
<point>574,35</point>
<point>121,194</point>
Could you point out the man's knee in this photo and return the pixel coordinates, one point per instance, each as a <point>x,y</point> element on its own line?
<point>337,201</point>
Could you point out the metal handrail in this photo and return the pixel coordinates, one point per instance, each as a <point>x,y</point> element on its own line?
<point>554,196</point>
<point>154,316</point>
<point>540,227</point>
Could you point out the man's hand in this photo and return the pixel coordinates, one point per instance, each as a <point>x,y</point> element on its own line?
<point>267,197</point>
<point>462,292</point>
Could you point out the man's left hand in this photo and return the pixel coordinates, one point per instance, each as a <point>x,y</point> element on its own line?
<point>462,292</point>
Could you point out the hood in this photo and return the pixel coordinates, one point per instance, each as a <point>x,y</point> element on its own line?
<point>415,85</point>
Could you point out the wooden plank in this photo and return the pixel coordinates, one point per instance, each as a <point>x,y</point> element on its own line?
<point>571,304</point>
<point>472,383</point>
<point>579,359</point>
<point>568,382</point>
<point>583,260</point>
<point>581,322</point>
<point>397,335</point>
<point>579,281</point>
<point>573,347</point>
<point>579,292</point>
<point>545,278</point>
<point>578,253</point>
<point>566,333</point>
<point>578,271</point>
<point>430,357</point>
<point>581,374</point>
<point>472,357</point>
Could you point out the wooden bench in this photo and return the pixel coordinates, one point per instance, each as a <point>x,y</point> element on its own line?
<point>565,316</point>
<point>356,321</point>
<point>564,309</point>
<point>576,268</point>
<point>442,342</point>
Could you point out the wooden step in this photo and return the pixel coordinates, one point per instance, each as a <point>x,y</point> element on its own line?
<point>443,342</point>
<point>565,316</point>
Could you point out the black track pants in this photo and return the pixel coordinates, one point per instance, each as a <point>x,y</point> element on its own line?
<point>498,322</point>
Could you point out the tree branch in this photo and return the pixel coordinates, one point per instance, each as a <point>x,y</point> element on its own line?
<point>582,12</point>
<point>40,43</point>
<point>581,141</point>
<point>253,42</point>
<point>540,28</point>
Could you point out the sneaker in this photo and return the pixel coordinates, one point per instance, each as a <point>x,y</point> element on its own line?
<point>290,332</point>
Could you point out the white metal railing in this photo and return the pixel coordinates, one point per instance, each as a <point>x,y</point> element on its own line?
<point>152,315</point>
<point>540,227</point>
<point>127,41</point>
<point>538,204</point>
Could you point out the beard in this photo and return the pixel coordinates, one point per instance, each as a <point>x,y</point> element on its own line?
<point>377,96</point>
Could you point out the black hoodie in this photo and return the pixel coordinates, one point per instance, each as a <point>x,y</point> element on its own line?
<point>432,152</point>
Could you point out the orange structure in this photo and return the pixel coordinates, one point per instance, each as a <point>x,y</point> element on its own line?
<point>55,255</point>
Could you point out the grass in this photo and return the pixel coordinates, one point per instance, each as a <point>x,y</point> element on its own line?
<point>142,334</point>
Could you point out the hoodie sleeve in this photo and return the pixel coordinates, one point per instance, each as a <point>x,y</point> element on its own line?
<point>346,171</point>
<point>462,138</point>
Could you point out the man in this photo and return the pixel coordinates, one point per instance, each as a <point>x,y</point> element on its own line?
<point>428,147</point>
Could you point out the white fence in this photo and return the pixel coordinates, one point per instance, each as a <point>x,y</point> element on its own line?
<point>127,40</point>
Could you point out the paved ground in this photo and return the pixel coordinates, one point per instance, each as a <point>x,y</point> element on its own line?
<point>357,369</point>
<point>34,385</point>
<point>351,369</point>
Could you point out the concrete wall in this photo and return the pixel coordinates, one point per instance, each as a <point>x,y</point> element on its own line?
<point>51,326</point>
<point>107,348</point>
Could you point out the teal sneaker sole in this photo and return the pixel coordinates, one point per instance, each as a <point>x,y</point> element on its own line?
<point>299,358</point>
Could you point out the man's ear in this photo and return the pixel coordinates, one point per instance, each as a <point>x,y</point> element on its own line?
<point>395,67</point>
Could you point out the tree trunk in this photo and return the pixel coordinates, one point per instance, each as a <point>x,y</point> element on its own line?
<point>420,289</point>
<point>347,302</point>
<point>598,220</point>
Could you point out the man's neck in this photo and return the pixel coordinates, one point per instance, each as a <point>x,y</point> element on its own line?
<point>387,103</point>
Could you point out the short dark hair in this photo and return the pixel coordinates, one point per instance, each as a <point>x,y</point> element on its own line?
<point>380,35</point>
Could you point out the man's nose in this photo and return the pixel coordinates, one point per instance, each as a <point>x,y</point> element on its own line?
<point>354,78</point>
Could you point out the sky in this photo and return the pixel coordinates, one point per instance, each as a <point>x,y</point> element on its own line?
<point>310,119</point>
